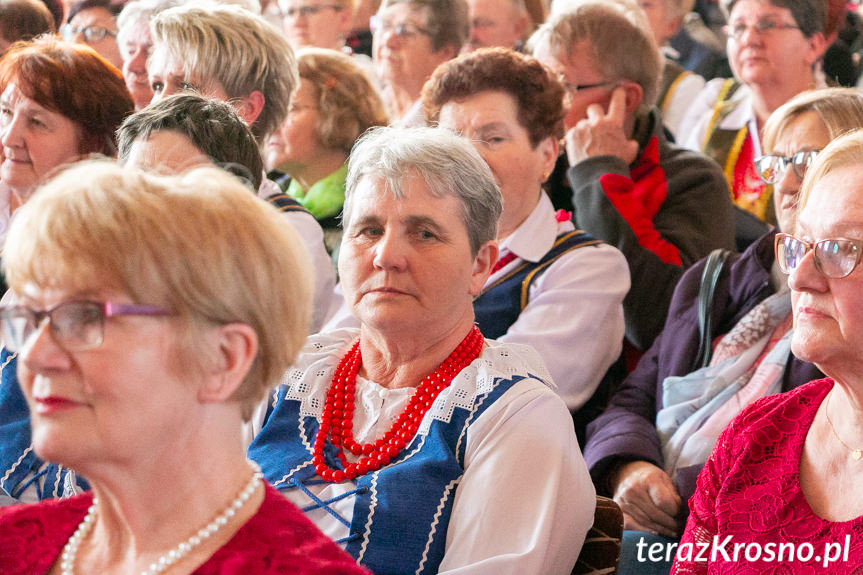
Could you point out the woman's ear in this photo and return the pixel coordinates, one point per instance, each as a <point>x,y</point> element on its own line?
<point>483,263</point>
<point>251,107</point>
<point>817,47</point>
<point>550,149</point>
<point>236,349</point>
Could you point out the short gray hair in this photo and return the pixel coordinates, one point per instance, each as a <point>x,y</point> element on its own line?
<point>448,164</point>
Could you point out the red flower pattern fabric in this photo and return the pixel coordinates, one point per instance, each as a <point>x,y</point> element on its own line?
<point>750,490</point>
<point>278,539</point>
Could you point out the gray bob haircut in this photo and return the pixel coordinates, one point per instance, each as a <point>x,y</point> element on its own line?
<point>448,164</point>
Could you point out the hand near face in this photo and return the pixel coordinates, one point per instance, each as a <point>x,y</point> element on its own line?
<point>648,499</point>
<point>602,133</point>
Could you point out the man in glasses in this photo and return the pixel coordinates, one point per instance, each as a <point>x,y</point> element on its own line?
<point>663,207</point>
<point>410,39</point>
<point>94,23</point>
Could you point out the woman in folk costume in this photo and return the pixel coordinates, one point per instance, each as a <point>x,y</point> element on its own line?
<point>420,446</point>
<point>773,47</point>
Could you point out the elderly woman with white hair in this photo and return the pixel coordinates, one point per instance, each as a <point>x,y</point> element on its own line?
<point>414,441</point>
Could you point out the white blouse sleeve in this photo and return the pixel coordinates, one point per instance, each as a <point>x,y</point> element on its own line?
<point>525,501</point>
<point>574,319</point>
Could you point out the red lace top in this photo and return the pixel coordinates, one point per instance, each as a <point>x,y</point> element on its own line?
<point>749,490</point>
<point>278,539</point>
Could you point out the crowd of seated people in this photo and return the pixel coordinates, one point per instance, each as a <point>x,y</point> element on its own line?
<point>334,104</point>
<point>270,305</point>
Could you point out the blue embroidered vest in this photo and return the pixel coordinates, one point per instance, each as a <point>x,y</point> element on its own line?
<point>499,304</point>
<point>19,466</point>
<point>400,512</point>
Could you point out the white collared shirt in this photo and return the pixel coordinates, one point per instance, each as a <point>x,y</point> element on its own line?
<point>574,315</point>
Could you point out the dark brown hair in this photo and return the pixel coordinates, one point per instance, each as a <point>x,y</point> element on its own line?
<point>24,19</point>
<point>537,92</point>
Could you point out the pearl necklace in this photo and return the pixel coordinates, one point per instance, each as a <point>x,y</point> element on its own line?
<point>337,417</point>
<point>70,551</point>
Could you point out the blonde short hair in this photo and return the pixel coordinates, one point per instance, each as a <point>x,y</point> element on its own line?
<point>348,103</point>
<point>840,110</point>
<point>621,46</point>
<point>846,150</point>
<point>238,49</point>
<point>198,244</point>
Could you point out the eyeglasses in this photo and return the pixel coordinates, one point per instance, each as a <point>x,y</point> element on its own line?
<point>771,169</point>
<point>76,325</point>
<point>762,28</point>
<point>308,10</point>
<point>91,33</point>
<point>405,30</point>
<point>835,258</point>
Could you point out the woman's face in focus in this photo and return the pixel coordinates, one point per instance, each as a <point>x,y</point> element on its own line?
<point>35,141</point>
<point>776,56</point>
<point>804,133</point>
<point>296,142</point>
<point>114,403</point>
<point>490,121</point>
<point>828,315</point>
<point>405,264</point>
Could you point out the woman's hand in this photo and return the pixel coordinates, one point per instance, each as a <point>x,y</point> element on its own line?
<point>648,498</point>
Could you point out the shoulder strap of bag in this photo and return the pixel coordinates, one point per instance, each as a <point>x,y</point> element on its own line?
<point>709,279</point>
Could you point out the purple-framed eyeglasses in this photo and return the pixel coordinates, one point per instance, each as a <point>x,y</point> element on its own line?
<point>76,325</point>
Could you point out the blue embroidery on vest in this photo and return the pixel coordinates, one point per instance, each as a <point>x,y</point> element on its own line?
<point>19,466</point>
<point>400,512</point>
<point>500,304</point>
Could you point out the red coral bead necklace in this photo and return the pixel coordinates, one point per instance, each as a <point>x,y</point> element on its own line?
<point>338,415</point>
